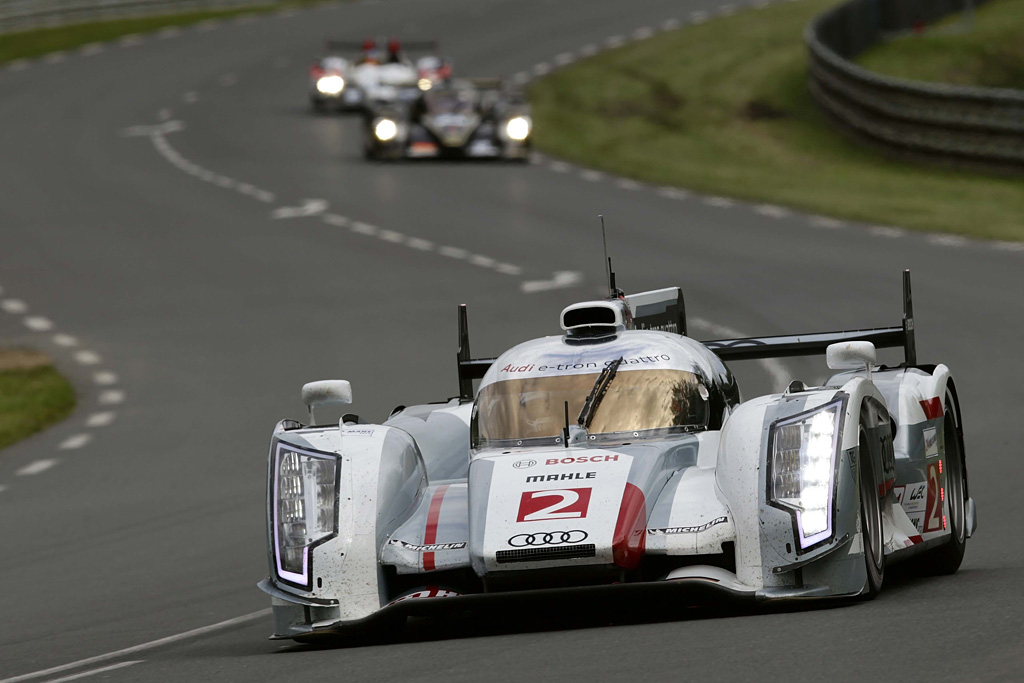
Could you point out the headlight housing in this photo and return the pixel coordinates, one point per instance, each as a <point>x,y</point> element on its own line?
<point>802,458</point>
<point>425,84</point>
<point>518,128</point>
<point>303,508</point>
<point>330,85</point>
<point>385,130</point>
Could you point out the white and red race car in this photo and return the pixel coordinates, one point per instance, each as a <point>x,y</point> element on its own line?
<point>373,76</point>
<point>618,457</point>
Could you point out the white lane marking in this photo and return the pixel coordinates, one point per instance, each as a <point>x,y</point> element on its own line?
<point>208,25</point>
<point>264,196</point>
<point>263,613</point>
<point>886,231</point>
<point>670,25</point>
<point>391,236</point>
<point>85,357</point>
<point>54,58</point>
<point>335,220</point>
<point>191,97</point>
<point>112,667</point>
<point>826,222</point>
<point>91,49</point>
<point>104,378</point>
<point>720,202</point>
<point>542,68</point>
<point>589,50</point>
<point>228,80</point>
<point>421,244</point>
<point>521,78</point>
<point>627,184</point>
<point>508,269</point>
<point>698,17</point>
<point>364,228</point>
<point>111,397</point>
<point>453,252</point>
<point>771,211</point>
<point>775,369</point>
<point>726,10</point>
<point>643,33</point>
<point>38,323</point>
<point>482,261</point>
<point>559,167</point>
<point>74,442</point>
<point>1009,246</point>
<point>153,131</point>
<point>561,280</point>
<point>100,419</point>
<point>565,58</point>
<point>673,193</point>
<point>948,240</point>
<point>19,65</point>
<point>36,466</point>
<point>614,41</point>
<point>592,176</point>
<point>168,32</point>
<point>64,340</point>
<point>130,40</point>
<point>15,306</point>
<point>309,207</point>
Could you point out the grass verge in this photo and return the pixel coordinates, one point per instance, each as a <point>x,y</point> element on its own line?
<point>723,108</point>
<point>988,52</point>
<point>27,44</point>
<point>33,395</point>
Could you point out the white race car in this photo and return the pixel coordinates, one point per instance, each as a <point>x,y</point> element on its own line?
<point>618,456</point>
<point>374,76</point>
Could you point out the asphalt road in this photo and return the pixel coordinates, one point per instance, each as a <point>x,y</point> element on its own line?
<point>152,267</point>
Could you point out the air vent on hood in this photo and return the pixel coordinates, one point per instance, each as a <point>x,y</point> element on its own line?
<point>568,552</point>
<point>594,318</point>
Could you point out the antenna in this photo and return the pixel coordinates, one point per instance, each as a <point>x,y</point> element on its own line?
<point>609,273</point>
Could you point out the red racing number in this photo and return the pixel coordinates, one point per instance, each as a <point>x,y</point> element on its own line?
<point>539,506</point>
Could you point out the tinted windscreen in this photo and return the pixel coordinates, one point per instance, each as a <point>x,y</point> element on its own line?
<point>636,400</point>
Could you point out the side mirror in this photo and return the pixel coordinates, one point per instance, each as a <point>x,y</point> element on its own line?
<point>326,392</point>
<point>852,355</point>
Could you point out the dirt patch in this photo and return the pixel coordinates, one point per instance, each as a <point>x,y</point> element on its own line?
<point>22,359</point>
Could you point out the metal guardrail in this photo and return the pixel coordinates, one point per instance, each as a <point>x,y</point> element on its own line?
<point>24,15</point>
<point>947,122</point>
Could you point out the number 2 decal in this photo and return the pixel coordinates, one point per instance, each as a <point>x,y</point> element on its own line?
<point>933,516</point>
<point>539,506</point>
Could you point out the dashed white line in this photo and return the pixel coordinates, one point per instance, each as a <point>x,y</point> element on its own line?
<point>482,261</point>
<point>948,240</point>
<point>421,244</point>
<point>886,231</point>
<point>93,672</point>
<point>589,50</point>
<point>541,69</point>
<point>111,397</point>
<point>65,340</point>
<point>38,324</point>
<point>453,252</point>
<point>130,40</point>
<point>19,65</point>
<point>508,269</point>
<point>91,49</point>
<point>168,32</point>
<point>670,25</point>
<point>826,222</point>
<point>208,25</point>
<point>673,193</point>
<point>559,167</point>
<point>104,378</point>
<point>86,357</point>
<point>74,442</point>
<point>627,184</point>
<point>565,58</point>
<point>720,202</point>
<point>55,58</point>
<point>364,228</point>
<point>391,236</point>
<point>36,467</point>
<point>771,211</point>
<point>264,196</point>
<point>592,176</point>
<point>336,220</point>
<point>614,41</point>
<point>14,306</point>
<point>698,17</point>
<point>643,33</point>
<point>100,419</point>
<point>521,78</point>
<point>1009,246</point>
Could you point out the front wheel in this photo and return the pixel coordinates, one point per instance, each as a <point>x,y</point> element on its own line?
<point>870,524</point>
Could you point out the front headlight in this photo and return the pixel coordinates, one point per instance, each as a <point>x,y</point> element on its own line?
<point>330,85</point>
<point>385,130</point>
<point>303,508</point>
<point>802,454</point>
<point>518,128</point>
<point>425,84</point>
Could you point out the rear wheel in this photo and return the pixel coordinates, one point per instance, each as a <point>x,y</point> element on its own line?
<point>870,524</point>
<point>947,557</point>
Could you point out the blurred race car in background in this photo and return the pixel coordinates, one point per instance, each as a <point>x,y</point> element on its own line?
<point>460,118</point>
<point>373,75</point>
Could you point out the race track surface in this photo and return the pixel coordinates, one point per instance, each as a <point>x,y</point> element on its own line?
<point>154,238</point>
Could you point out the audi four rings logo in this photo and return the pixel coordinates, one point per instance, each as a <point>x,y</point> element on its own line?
<point>523,464</point>
<point>550,538</point>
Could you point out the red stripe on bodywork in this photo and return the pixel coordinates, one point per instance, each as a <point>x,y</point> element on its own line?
<point>430,536</point>
<point>884,488</point>
<point>932,408</point>
<point>915,539</point>
<point>630,539</point>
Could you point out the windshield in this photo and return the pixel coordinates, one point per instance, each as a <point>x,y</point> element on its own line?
<point>518,410</point>
<point>450,102</point>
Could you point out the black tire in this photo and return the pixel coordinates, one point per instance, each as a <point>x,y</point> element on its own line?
<point>871,524</point>
<point>947,557</point>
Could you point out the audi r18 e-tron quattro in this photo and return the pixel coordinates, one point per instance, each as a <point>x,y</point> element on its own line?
<point>373,75</point>
<point>461,118</point>
<point>618,456</point>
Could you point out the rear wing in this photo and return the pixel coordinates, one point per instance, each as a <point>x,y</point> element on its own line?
<point>664,310</point>
<point>381,44</point>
